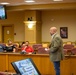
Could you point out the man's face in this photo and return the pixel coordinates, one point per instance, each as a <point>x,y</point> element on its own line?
<point>51,31</point>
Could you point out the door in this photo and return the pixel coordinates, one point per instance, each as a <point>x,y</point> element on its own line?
<point>7,33</point>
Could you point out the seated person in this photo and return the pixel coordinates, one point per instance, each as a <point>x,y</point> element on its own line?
<point>26,48</point>
<point>2,48</point>
<point>10,47</point>
<point>23,44</point>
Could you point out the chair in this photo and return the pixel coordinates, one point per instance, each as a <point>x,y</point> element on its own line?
<point>36,46</point>
<point>67,52</point>
<point>42,50</point>
<point>1,73</point>
<point>68,42</point>
<point>16,46</point>
<point>44,45</point>
<point>73,51</point>
<point>68,48</point>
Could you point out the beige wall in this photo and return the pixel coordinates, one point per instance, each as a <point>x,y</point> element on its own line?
<point>30,34</point>
<point>33,35</point>
<point>59,18</point>
<point>16,18</point>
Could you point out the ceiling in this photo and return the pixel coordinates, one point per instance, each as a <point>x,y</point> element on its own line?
<point>21,2</point>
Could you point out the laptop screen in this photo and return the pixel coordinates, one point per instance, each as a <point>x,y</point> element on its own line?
<point>25,67</point>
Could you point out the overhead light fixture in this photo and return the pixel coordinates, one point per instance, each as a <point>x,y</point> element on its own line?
<point>29,1</point>
<point>30,24</point>
<point>4,3</point>
<point>57,0</point>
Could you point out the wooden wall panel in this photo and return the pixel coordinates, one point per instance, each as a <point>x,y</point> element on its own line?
<point>3,62</point>
<point>65,67</point>
<point>42,61</point>
<point>73,65</point>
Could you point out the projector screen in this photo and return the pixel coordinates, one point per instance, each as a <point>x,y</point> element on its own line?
<point>3,14</point>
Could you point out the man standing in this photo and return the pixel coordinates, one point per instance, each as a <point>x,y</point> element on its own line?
<point>56,49</point>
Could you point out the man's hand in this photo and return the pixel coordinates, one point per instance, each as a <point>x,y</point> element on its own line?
<point>47,49</point>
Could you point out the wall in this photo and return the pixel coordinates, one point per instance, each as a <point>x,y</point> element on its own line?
<point>30,34</point>
<point>33,35</point>
<point>59,18</point>
<point>16,18</point>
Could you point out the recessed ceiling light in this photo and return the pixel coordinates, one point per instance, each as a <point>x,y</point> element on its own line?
<point>4,3</point>
<point>57,0</point>
<point>29,1</point>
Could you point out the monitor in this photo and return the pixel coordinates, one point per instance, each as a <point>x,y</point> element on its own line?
<point>25,67</point>
<point>3,14</point>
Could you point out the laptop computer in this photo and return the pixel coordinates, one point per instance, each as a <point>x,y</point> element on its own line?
<point>25,67</point>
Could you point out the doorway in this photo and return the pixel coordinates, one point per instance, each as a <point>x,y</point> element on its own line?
<point>7,33</point>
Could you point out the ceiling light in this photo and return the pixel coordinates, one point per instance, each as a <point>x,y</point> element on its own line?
<point>4,3</point>
<point>29,1</point>
<point>57,0</point>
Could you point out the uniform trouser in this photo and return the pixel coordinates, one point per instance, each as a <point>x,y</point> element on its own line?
<point>57,67</point>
